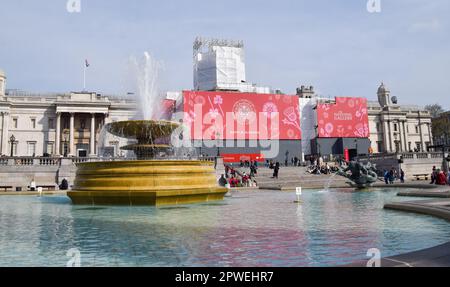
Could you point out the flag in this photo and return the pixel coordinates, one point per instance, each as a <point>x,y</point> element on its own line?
<point>86,63</point>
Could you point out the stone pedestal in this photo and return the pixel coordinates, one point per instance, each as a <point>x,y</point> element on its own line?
<point>152,182</point>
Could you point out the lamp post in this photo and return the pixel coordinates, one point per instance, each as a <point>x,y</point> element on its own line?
<point>447,159</point>
<point>218,144</point>
<point>12,140</point>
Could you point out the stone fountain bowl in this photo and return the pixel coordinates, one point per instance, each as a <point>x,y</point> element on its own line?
<point>145,131</point>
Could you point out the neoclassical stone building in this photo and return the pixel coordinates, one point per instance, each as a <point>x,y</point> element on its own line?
<point>60,124</point>
<point>71,124</point>
<point>398,128</point>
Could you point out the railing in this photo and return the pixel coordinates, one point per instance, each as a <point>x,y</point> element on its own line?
<point>408,156</point>
<point>207,158</point>
<point>57,161</point>
<point>24,161</point>
<point>422,155</point>
<point>49,161</point>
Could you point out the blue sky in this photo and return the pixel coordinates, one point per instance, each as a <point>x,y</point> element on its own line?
<point>336,46</point>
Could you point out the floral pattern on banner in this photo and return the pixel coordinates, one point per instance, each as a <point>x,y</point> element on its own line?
<point>244,106</point>
<point>347,118</point>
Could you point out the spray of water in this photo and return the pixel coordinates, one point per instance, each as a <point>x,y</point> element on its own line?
<point>146,74</point>
<point>327,185</point>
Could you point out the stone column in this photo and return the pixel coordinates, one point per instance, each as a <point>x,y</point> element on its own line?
<point>429,134</point>
<point>386,136</point>
<point>422,137</point>
<point>92,139</point>
<point>405,135</point>
<point>71,135</point>
<point>5,129</point>
<point>58,134</point>
<point>402,136</point>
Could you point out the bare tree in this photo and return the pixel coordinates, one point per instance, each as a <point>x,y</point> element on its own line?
<point>435,110</point>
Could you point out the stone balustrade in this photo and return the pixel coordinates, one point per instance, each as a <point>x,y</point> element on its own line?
<point>56,161</point>
<point>408,156</point>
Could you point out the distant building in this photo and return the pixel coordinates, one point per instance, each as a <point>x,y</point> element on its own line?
<point>398,128</point>
<point>71,124</point>
<point>392,127</point>
<point>60,124</point>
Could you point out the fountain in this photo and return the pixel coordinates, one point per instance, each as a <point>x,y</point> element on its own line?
<point>147,180</point>
<point>361,175</point>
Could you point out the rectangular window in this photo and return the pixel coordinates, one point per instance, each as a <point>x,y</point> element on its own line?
<point>417,129</point>
<point>395,128</point>
<point>33,123</point>
<point>14,123</point>
<point>418,146</point>
<point>49,148</point>
<point>378,127</point>
<point>31,149</point>
<point>51,124</point>
<point>380,146</point>
<point>410,147</point>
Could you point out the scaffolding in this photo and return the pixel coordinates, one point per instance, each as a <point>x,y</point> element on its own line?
<point>219,64</point>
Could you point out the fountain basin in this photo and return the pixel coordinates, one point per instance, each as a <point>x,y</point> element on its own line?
<point>145,182</point>
<point>145,131</point>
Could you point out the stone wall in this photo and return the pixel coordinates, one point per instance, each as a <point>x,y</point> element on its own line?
<point>413,163</point>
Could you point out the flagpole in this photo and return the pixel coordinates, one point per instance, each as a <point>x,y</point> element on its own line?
<point>84,77</point>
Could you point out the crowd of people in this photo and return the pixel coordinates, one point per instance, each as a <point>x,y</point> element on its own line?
<point>233,179</point>
<point>390,176</point>
<point>319,166</point>
<point>439,177</point>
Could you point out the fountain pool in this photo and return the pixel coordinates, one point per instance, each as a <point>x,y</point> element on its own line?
<point>262,228</point>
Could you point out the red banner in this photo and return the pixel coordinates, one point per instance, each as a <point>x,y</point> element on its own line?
<point>249,116</point>
<point>347,118</point>
<point>230,158</point>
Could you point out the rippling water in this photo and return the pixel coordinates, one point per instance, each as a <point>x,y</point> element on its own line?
<point>248,229</point>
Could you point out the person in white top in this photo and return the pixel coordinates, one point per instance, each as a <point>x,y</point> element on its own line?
<point>33,185</point>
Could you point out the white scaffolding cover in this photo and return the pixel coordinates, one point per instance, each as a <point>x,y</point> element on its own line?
<point>219,67</point>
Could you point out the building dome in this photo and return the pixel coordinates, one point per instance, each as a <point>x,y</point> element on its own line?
<point>2,73</point>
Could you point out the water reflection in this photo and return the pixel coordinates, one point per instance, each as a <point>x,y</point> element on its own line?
<point>250,229</point>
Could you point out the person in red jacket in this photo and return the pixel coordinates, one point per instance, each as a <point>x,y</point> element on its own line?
<point>442,179</point>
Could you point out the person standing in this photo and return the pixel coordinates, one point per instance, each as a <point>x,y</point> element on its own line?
<point>32,185</point>
<point>433,175</point>
<point>402,176</point>
<point>276,170</point>
<point>386,176</point>
<point>391,176</point>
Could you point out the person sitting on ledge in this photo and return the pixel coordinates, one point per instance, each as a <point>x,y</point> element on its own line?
<point>441,178</point>
<point>245,179</point>
<point>234,181</point>
<point>64,184</point>
<point>222,180</point>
